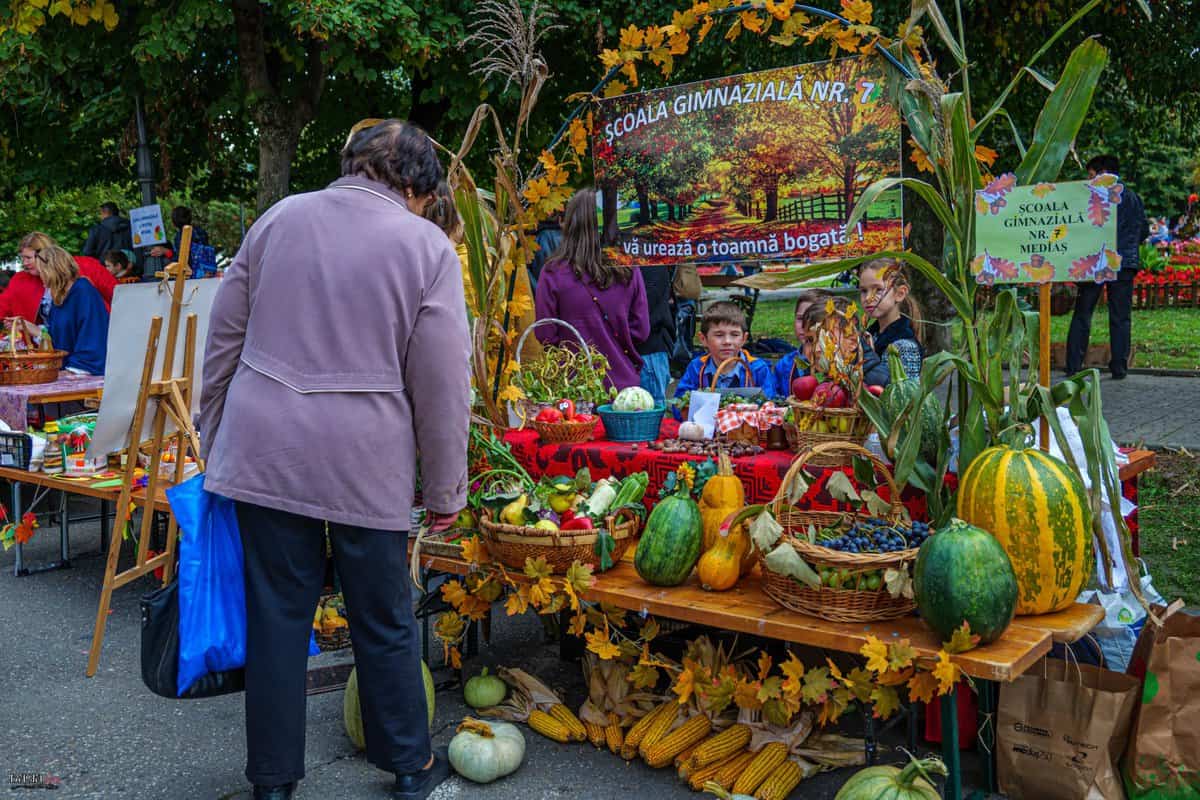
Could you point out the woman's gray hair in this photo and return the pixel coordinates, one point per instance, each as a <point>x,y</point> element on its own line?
<point>395,153</point>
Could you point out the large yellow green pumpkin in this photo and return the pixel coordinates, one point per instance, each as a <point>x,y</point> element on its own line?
<point>1036,507</point>
<point>352,711</point>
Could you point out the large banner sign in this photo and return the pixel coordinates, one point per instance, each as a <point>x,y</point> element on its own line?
<point>749,168</point>
<point>1050,232</point>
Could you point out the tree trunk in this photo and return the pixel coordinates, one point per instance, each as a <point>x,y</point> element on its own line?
<point>653,209</point>
<point>849,173</point>
<point>643,205</point>
<point>772,193</point>
<point>276,147</point>
<point>611,232</point>
<point>670,212</point>
<point>926,241</point>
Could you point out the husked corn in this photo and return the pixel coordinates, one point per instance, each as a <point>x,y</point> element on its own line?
<point>724,744</point>
<point>781,782</point>
<point>567,717</point>
<point>662,752</point>
<point>549,727</point>
<point>763,765</point>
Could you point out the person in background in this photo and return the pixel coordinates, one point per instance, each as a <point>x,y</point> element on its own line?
<point>112,232</point>
<point>723,333</point>
<point>119,264</point>
<point>76,316</point>
<point>24,295</point>
<point>605,303</point>
<point>356,250</point>
<point>548,237</point>
<point>886,297</point>
<point>656,350</point>
<point>794,364</point>
<point>180,217</point>
<point>1132,230</point>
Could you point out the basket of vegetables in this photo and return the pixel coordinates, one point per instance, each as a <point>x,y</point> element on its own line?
<point>563,520</point>
<point>561,424</point>
<point>573,370</point>
<point>26,354</point>
<point>842,566</point>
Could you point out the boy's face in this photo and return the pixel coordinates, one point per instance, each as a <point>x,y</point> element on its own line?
<point>723,341</point>
<point>798,325</point>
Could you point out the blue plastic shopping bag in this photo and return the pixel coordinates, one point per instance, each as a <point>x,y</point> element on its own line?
<point>212,595</point>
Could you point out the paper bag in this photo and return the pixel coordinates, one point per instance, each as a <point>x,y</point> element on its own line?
<point>1163,759</point>
<point>1060,729</point>
<point>702,409</point>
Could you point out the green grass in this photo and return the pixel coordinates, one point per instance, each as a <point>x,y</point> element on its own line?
<point>1169,513</point>
<point>1162,338</point>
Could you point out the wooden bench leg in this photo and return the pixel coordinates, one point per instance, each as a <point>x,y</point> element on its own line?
<point>950,754</point>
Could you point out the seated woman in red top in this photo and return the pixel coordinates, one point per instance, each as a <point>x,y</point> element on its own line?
<point>24,293</point>
<point>606,303</point>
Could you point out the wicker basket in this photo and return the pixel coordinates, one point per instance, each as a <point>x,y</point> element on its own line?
<point>852,426</point>
<point>564,432</point>
<point>30,363</point>
<point>522,412</point>
<point>837,605</point>
<point>512,544</point>
<point>338,640</point>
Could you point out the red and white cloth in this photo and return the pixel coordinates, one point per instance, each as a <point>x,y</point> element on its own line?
<point>761,418</point>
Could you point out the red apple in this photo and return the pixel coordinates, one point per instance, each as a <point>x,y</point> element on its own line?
<point>875,390</point>
<point>803,387</point>
<point>830,395</point>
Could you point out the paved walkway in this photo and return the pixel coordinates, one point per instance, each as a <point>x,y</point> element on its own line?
<point>1153,411</point>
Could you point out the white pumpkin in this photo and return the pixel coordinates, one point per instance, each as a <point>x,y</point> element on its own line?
<point>484,751</point>
<point>692,431</point>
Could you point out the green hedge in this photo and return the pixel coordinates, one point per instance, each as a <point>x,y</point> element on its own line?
<point>68,215</point>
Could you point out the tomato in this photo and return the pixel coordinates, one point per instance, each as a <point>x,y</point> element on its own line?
<point>549,415</point>
<point>567,407</point>
<point>578,524</point>
<point>584,418</point>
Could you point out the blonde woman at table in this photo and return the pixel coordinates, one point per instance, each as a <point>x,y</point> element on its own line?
<point>74,312</point>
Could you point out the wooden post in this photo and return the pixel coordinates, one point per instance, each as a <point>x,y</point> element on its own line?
<point>1044,357</point>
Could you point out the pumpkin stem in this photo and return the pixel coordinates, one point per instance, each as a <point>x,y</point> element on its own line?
<point>712,787</point>
<point>477,727</point>
<point>724,465</point>
<point>914,768</point>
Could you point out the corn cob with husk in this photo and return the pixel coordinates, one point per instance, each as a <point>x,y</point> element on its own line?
<point>574,726</point>
<point>703,775</point>
<point>779,784</point>
<point>732,769</point>
<point>614,735</point>
<point>684,766</point>
<point>653,726</point>
<point>763,765</point>
<point>833,751</point>
<point>662,752</point>
<point>595,733</point>
<point>611,705</point>
<point>532,702</point>
<point>721,746</point>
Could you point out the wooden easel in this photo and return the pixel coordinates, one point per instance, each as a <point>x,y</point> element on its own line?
<point>171,397</point>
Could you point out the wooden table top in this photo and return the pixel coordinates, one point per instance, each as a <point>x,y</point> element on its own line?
<point>1139,462</point>
<point>82,486</point>
<point>66,396</point>
<point>747,609</point>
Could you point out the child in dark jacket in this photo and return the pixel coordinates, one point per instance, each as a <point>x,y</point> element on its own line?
<point>885,291</point>
<point>723,333</point>
<point>794,364</point>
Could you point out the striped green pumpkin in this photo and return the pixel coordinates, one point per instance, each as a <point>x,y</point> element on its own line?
<point>1036,507</point>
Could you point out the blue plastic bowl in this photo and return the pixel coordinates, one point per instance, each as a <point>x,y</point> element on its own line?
<point>631,426</point>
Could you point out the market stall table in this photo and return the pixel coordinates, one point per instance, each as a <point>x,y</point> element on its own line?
<point>15,401</point>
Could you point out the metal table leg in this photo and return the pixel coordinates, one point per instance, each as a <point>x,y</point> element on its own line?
<point>950,754</point>
<point>64,540</point>
<point>988,691</point>
<point>15,507</point>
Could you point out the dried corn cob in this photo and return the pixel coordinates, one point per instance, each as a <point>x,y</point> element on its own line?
<point>633,738</point>
<point>574,726</point>
<point>613,734</point>
<point>662,752</point>
<point>781,782</point>
<point>732,769</point>
<point>765,763</point>
<point>658,729</point>
<point>684,766</point>
<point>595,733</point>
<point>724,744</point>
<point>549,727</point>
<point>703,775</point>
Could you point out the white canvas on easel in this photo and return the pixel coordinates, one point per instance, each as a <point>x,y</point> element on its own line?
<point>133,307</point>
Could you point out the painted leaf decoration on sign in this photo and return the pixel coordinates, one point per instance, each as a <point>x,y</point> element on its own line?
<point>1098,209</point>
<point>1043,189</point>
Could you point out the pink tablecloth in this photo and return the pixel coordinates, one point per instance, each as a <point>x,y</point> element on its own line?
<point>14,400</point>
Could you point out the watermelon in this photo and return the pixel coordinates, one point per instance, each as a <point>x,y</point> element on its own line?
<point>1036,507</point>
<point>962,575</point>
<point>670,544</point>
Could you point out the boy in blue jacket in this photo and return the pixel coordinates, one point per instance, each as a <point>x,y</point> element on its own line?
<point>794,365</point>
<point>723,333</point>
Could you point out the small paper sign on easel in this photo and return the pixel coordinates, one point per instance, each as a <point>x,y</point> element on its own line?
<point>1046,233</point>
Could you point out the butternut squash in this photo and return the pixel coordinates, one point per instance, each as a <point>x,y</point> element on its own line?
<point>723,495</point>
<point>721,565</point>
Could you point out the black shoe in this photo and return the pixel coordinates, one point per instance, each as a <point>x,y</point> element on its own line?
<point>283,792</point>
<point>419,785</point>
<point>1118,376</point>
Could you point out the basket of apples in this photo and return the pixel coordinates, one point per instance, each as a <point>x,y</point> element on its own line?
<point>561,424</point>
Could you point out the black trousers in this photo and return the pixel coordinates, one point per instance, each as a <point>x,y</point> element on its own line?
<point>1120,306</point>
<point>285,569</point>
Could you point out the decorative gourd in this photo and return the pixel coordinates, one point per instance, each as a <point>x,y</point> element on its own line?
<point>633,398</point>
<point>352,711</point>
<point>692,431</point>
<point>484,751</point>
<point>721,565</point>
<point>963,575</point>
<point>484,691</point>
<point>1036,507</point>
<point>894,783</point>
<point>714,788</point>
<point>723,495</point>
<point>899,393</point>
<point>671,541</point>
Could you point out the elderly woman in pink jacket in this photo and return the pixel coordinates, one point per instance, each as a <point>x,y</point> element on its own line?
<point>337,351</point>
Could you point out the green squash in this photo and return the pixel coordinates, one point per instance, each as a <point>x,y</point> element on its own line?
<point>484,691</point>
<point>352,711</point>
<point>671,542</point>
<point>962,574</point>
<point>894,783</point>
<point>898,394</point>
<point>484,751</point>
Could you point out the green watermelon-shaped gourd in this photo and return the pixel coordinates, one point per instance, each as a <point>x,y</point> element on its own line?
<point>962,575</point>
<point>670,544</point>
<point>1036,507</point>
<point>352,710</point>
<point>902,391</point>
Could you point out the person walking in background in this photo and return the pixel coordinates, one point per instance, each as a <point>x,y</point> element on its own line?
<point>656,350</point>
<point>606,303</point>
<point>25,294</point>
<point>1132,230</point>
<point>548,238</point>
<point>112,232</point>
<point>357,250</point>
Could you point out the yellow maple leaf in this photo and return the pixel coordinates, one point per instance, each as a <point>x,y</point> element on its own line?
<point>793,671</point>
<point>541,592</point>
<point>537,568</point>
<point>683,20</point>
<point>752,21</point>
<point>518,602</point>
<point>677,45</point>
<point>577,136</point>
<point>985,155</point>
<point>474,550</point>
<point>510,394</point>
<point>910,35</point>
<point>900,654</point>
<point>946,672</point>
<point>649,631</point>
<point>454,657</point>
<point>520,306</point>
<point>876,653</point>
<point>894,677</point>
<point>632,37</point>
<point>579,577</point>
<point>922,686</point>
<point>643,676</point>
<point>886,701</point>
<point>685,683</point>
<point>961,640</point>
<point>745,695</point>
<point>610,58</point>
<point>654,37</point>
<point>578,624</point>
<point>705,27</point>
<point>780,10</point>
<point>598,643</point>
<point>920,158</point>
<point>764,666</point>
<point>857,11</point>
<point>847,40</point>
<point>537,190</point>
<point>629,70</point>
<point>454,593</point>
<point>735,30</point>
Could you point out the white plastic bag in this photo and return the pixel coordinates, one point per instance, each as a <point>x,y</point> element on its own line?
<point>1123,619</point>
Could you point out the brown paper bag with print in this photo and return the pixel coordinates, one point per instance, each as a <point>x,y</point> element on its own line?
<point>1163,759</point>
<point>1060,729</point>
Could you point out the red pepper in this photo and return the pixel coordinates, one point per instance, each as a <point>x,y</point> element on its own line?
<point>549,415</point>
<point>567,407</point>
<point>565,517</point>
<point>577,524</point>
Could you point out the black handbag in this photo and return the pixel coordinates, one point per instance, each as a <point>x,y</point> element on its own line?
<point>160,652</point>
